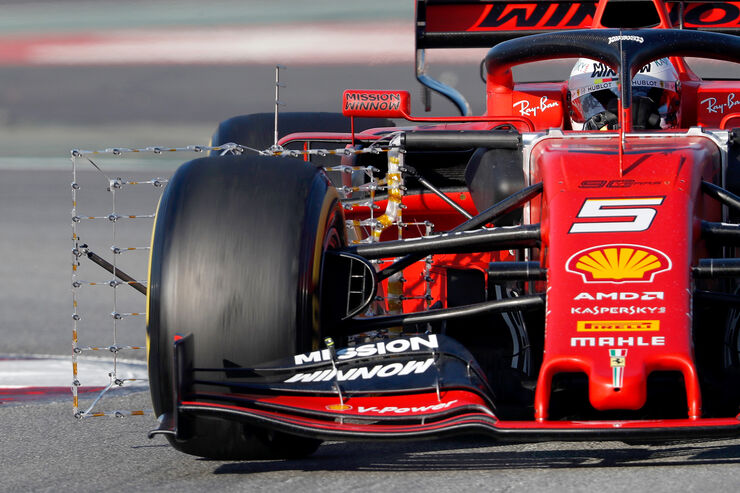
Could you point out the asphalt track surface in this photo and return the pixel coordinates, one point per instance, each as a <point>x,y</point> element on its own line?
<point>45,111</point>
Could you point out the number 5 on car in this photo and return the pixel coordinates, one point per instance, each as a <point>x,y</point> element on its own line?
<point>635,208</point>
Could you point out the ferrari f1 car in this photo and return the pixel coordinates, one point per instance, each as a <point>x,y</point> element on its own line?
<point>562,267</point>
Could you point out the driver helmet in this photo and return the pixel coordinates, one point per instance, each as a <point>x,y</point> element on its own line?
<point>593,96</point>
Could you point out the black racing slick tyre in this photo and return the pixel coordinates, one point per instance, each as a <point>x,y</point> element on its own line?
<point>236,260</point>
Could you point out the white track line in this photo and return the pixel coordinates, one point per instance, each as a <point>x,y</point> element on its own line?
<point>56,371</point>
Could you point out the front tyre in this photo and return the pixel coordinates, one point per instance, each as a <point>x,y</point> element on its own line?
<point>236,261</point>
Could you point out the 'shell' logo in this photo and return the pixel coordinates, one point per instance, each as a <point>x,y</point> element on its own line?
<point>618,263</point>
<point>338,407</point>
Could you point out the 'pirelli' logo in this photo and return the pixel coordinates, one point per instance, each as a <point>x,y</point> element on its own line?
<point>618,325</point>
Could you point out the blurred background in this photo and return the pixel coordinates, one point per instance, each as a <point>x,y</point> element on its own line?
<point>86,73</point>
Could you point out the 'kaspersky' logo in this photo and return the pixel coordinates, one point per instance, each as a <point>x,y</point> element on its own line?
<point>618,263</point>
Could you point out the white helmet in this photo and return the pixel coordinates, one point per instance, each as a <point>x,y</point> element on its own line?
<point>593,96</point>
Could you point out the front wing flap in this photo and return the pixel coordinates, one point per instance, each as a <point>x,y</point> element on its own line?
<point>416,385</point>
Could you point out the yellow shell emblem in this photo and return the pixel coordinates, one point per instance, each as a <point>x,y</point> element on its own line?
<point>618,263</point>
<point>338,407</point>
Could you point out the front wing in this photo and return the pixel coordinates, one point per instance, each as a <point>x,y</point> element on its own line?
<point>406,388</point>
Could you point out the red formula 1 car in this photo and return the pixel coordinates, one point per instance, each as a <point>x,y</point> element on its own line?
<point>562,267</point>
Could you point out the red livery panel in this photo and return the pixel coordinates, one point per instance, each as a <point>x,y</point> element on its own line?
<point>716,102</point>
<point>381,104</point>
<point>619,290</point>
<point>503,16</point>
<point>492,16</point>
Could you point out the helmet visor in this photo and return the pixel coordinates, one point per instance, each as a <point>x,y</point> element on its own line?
<point>665,102</point>
<point>593,103</point>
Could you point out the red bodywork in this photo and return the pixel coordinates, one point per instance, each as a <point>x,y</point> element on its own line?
<point>654,212</point>
<point>650,202</point>
<point>557,15</point>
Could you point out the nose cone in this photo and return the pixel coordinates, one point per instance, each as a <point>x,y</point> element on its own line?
<point>619,385</point>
